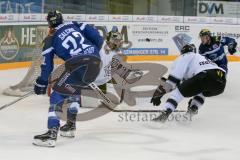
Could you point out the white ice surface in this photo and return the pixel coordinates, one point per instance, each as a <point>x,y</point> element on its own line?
<point>214,134</point>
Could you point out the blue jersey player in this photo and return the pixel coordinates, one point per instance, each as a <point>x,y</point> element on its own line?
<point>212,47</point>
<point>71,42</point>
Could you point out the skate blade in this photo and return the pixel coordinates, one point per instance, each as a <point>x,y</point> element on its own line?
<point>190,115</point>
<point>68,134</point>
<point>48,143</point>
<point>158,120</point>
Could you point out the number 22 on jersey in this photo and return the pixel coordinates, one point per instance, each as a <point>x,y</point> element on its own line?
<point>72,40</point>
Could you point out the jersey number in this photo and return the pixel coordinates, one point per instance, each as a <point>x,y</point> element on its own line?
<point>72,40</point>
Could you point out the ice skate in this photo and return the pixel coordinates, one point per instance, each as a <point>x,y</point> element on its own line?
<point>68,130</point>
<point>47,139</point>
<point>163,116</point>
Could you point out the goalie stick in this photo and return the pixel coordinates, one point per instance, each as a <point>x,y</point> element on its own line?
<point>15,101</point>
<point>111,106</point>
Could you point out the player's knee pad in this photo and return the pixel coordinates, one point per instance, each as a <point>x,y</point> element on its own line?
<point>74,107</point>
<point>72,111</point>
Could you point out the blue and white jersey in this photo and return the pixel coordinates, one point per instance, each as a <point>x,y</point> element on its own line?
<point>215,51</point>
<point>69,40</point>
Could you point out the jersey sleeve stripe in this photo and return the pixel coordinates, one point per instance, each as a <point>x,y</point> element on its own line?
<point>209,52</point>
<point>218,58</point>
<point>83,25</point>
<point>47,51</point>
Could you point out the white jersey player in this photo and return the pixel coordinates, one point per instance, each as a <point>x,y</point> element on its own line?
<point>111,64</point>
<point>105,72</point>
<point>191,75</point>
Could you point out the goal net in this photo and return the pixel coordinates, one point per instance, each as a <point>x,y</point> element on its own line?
<point>27,83</point>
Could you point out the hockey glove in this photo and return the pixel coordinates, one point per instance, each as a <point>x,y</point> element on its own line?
<point>232,47</point>
<point>40,86</point>
<point>158,94</point>
<point>133,76</point>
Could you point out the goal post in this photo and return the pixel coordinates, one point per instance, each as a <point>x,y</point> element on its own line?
<point>27,83</point>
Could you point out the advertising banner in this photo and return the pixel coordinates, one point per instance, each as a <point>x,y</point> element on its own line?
<point>21,6</point>
<point>218,8</point>
<point>164,39</point>
<point>17,42</point>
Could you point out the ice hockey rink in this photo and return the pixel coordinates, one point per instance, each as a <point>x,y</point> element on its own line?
<point>213,134</point>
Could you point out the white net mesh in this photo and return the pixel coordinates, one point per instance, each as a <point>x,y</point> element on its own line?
<point>26,85</point>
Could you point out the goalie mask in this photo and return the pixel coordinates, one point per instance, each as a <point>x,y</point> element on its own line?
<point>114,40</point>
<point>188,48</point>
<point>54,18</point>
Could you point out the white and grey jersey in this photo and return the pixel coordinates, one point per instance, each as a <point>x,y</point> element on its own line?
<point>105,72</point>
<point>188,65</point>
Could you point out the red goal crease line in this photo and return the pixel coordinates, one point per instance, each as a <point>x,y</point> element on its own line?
<point>14,65</point>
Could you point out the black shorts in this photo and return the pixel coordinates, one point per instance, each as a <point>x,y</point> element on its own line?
<point>83,69</point>
<point>209,83</point>
<point>76,74</point>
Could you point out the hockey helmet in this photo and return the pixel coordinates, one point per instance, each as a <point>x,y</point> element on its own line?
<point>204,32</point>
<point>113,36</point>
<point>54,18</point>
<point>114,39</point>
<point>188,48</point>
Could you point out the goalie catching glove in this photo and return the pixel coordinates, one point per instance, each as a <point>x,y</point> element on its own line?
<point>133,76</point>
<point>129,75</point>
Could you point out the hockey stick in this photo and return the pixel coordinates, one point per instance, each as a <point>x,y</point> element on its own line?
<point>122,95</point>
<point>111,106</point>
<point>15,101</point>
<point>105,99</point>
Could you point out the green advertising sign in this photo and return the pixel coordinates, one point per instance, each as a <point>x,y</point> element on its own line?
<point>18,42</point>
